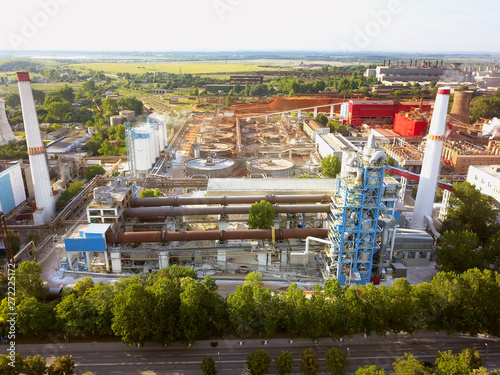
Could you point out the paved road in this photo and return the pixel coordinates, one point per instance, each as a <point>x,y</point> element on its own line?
<point>116,358</point>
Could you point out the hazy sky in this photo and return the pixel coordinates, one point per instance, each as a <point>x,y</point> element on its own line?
<point>224,25</point>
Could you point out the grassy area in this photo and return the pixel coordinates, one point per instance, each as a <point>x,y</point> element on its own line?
<point>176,68</point>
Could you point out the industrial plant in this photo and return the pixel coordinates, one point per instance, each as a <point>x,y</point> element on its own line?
<point>207,173</point>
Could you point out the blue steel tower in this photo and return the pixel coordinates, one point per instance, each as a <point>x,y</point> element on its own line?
<point>354,231</point>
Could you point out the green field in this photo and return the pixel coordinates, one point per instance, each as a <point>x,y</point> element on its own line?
<point>175,68</point>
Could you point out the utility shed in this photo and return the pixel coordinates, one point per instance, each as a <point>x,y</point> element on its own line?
<point>278,186</point>
<point>413,247</point>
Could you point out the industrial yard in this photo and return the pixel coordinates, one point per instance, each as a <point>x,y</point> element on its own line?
<point>210,168</point>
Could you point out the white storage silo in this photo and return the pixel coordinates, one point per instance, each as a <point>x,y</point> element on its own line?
<point>142,150</point>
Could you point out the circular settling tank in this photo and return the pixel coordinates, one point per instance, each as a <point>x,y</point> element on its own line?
<point>272,167</point>
<point>216,149</point>
<point>213,167</point>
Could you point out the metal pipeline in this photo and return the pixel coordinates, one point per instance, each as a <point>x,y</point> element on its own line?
<point>221,235</point>
<point>271,198</point>
<point>152,212</point>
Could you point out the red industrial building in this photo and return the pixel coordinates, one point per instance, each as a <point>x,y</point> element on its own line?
<point>408,127</point>
<point>379,112</point>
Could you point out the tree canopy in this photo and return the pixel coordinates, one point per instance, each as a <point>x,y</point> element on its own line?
<point>261,215</point>
<point>472,210</point>
<point>331,166</point>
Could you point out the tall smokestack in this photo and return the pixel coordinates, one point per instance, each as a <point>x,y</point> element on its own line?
<point>432,160</point>
<point>6,133</point>
<point>36,152</point>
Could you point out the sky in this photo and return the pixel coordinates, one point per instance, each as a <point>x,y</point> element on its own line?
<point>261,25</point>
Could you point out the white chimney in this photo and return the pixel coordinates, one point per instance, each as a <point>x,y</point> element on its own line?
<point>6,133</point>
<point>36,151</point>
<point>432,160</point>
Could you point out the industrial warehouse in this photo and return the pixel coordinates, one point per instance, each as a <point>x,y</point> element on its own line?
<point>354,228</point>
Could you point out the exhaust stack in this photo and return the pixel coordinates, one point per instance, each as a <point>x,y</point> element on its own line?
<point>432,160</point>
<point>36,151</point>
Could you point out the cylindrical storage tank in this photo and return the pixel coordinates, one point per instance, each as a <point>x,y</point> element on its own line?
<point>155,142</point>
<point>213,167</point>
<point>161,135</point>
<point>128,114</point>
<point>272,167</point>
<point>117,120</point>
<point>142,141</point>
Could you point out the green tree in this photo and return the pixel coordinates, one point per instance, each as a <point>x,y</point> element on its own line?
<point>5,364</point>
<point>208,366</point>
<point>369,370</point>
<point>458,252</point>
<point>229,100</point>
<point>261,215</point>
<point>284,363</point>
<point>147,194</point>
<point>166,312</point>
<point>29,282</point>
<point>62,366</point>
<point>483,107</point>
<point>259,362</point>
<point>322,119</point>
<point>94,170</point>
<point>68,194</point>
<point>336,362</point>
<point>34,318</point>
<point>13,100</point>
<point>131,103</point>
<point>331,166</point>
<point>472,209</point>
<point>309,362</point>
<point>409,365</point>
<point>15,242</point>
<point>133,305</point>
<point>492,252</point>
<point>459,364</point>
<point>35,365</point>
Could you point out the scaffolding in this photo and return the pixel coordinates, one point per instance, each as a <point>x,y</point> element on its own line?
<point>353,230</point>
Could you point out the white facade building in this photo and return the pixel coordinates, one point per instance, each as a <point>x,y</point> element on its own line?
<point>12,192</point>
<point>486,178</point>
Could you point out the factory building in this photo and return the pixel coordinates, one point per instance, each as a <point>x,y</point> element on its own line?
<point>380,112</point>
<point>410,124</point>
<point>486,178</point>
<point>462,154</point>
<point>243,80</point>
<point>335,144</point>
<point>12,192</point>
<point>427,71</point>
<point>66,144</point>
<point>313,128</point>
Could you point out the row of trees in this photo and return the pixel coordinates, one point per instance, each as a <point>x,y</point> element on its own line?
<point>36,365</point>
<point>467,362</point>
<point>171,305</point>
